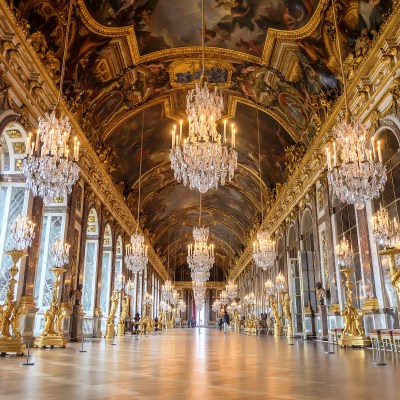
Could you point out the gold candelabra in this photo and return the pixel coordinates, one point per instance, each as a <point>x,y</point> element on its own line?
<point>52,334</point>
<point>278,321</point>
<point>353,331</point>
<point>288,314</point>
<point>391,253</point>
<point>124,313</point>
<point>110,332</point>
<point>10,338</point>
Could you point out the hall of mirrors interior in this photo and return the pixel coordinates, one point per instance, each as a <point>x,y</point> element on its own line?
<point>233,165</point>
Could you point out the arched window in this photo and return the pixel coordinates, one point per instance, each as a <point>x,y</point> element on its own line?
<point>118,259</point>
<point>390,199</point>
<point>13,196</point>
<point>106,263</point>
<point>307,231</point>
<point>53,228</point>
<point>90,266</point>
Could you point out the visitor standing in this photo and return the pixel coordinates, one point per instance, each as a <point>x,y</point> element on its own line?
<point>226,322</point>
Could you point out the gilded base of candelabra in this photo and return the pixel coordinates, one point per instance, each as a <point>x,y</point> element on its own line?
<point>110,331</point>
<point>12,345</point>
<point>354,341</point>
<point>289,332</point>
<point>277,330</point>
<point>51,340</point>
<point>121,329</point>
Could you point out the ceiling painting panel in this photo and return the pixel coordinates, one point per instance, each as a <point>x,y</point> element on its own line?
<point>231,24</point>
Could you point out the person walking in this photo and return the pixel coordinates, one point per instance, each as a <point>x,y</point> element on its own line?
<point>226,322</point>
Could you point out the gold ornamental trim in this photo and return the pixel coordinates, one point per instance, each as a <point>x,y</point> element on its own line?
<point>271,36</point>
<point>100,181</point>
<point>313,163</point>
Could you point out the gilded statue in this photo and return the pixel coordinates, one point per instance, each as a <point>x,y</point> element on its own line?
<point>49,317</point>
<point>286,309</point>
<point>59,321</point>
<point>125,310</point>
<point>5,99</point>
<point>114,305</point>
<point>278,322</point>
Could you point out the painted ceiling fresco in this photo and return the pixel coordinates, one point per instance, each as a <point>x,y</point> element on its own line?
<point>232,24</point>
<point>279,56</point>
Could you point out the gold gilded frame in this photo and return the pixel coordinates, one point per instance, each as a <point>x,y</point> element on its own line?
<point>272,35</point>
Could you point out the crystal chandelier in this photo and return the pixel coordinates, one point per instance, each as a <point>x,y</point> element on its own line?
<point>269,287</point>
<point>231,290</point>
<point>48,168</point>
<point>119,282</point>
<point>148,298</point>
<point>344,254</point>
<point>60,252</point>
<point>167,290</point>
<point>22,233</point>
<point>181,306</point>
<point>264,250</point>
<point>223,298</point>
<point>136,254</point>
<point>200,276</point>
<point>385,230</point>
<point>203,160</point>
<point>355,172</point>
<point>234,306</point>
<point>129,286</point>
<point>264,246</point>
<point>201,255</point>
<point>175,297</point>
<point>280,281</point>
<point>216,306</point>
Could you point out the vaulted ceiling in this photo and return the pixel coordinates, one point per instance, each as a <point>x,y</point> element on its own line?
<point>129,57</point>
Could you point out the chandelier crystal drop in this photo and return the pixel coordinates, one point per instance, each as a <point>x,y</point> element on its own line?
<point>60,252</point>
<point>385,230</point>
<point>129,286</point>
<point>344,254</point>
<point>48,168</point>
<point>264,250</point>
<point>280,281</point>
<point>231,290</point>
<point>22,233</point>
<point>136,254</point>
<point>148,298</point>
<point>269,287</point>
<point>203,160</point>
<point>200,255</point>
<point>181,306</point>
<point>355,170</point>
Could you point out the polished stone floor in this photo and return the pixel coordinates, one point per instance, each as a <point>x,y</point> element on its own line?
<point>184,364</point>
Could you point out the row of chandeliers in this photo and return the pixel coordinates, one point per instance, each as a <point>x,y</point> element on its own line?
<point>203,160</point>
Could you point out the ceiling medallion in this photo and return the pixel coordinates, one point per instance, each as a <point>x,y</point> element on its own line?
<point>355,170</point>
<point>203,160</point>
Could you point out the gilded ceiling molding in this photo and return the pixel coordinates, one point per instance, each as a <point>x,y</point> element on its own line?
<point>272,35</point>
<point>307,30</point>
<point>91,169</point>
<point>128,31</point>
<point>312,166</point>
